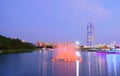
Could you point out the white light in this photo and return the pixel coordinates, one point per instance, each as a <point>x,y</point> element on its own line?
<point>77,68</point>
<point>77,53</point>
<point>77,43</point>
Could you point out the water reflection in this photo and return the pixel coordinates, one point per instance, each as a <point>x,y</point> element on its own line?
<point>92,65</point>
<point>63,69</point>
<point>112,65</point>
<point>39,64</point>
<point>115,65</point>
<point>77,68</point>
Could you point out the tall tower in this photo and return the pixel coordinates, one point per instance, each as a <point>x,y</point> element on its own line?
<point>90,34</point>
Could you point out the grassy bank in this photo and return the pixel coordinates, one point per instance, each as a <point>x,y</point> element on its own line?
<point>5,51</point>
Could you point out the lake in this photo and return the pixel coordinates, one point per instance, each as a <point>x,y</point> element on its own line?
<point>38,63</point>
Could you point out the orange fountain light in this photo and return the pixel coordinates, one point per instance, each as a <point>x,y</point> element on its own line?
<point>65,52</point>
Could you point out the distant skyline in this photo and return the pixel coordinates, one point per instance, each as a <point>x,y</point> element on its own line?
<point>60,20</point>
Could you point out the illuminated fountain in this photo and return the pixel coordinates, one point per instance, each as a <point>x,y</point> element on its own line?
<point>66,52</point>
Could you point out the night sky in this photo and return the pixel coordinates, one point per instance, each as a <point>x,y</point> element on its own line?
<point>60,20</point>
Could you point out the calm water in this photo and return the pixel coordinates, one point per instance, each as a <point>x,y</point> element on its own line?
<point>39,63</point>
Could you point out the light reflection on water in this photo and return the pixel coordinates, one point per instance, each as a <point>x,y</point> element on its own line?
<point>77,68</point>
<point>39,63</point>
<point>92,65</point>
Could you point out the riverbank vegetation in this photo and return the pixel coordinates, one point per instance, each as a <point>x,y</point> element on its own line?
<point>14,45</point>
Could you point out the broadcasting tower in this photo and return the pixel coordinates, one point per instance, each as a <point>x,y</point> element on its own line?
<point>90,34</point>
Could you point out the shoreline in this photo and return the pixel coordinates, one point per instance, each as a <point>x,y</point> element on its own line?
<point>10,51</point>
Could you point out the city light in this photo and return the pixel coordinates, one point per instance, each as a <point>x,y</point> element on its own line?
<point>77,43</point>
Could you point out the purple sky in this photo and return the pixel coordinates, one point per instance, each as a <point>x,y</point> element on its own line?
<point>60,20</point>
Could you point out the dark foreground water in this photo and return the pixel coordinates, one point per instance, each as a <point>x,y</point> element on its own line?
<point>39,63</point>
